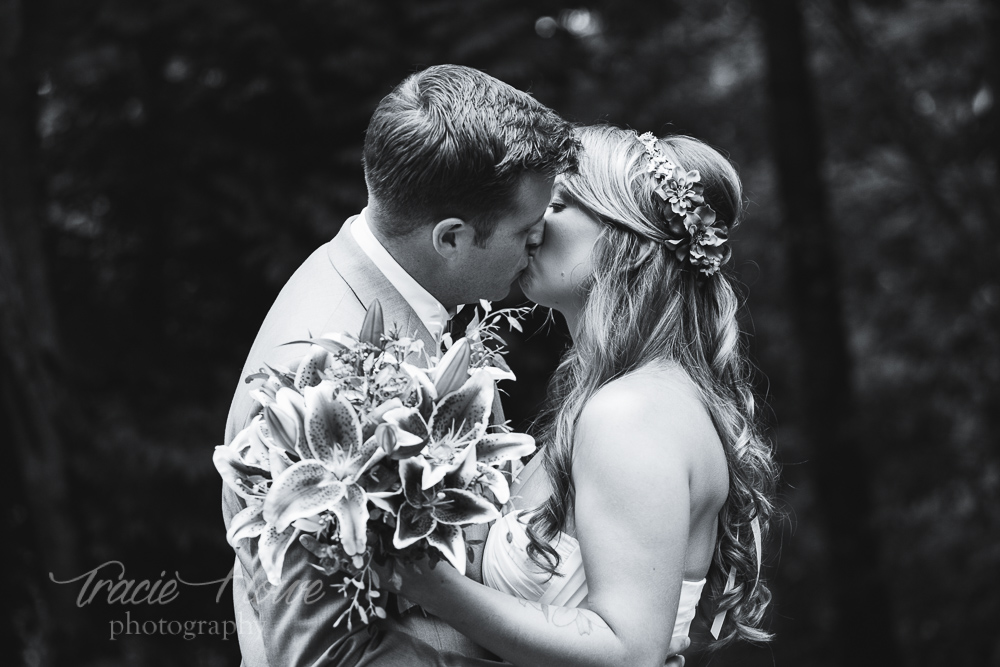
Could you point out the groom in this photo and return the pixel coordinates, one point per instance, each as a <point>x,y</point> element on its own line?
<point>459,168</point>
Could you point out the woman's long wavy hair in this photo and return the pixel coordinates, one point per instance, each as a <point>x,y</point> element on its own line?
<point>643,306</point>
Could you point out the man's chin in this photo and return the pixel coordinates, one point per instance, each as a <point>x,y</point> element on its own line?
<point>500,294</point>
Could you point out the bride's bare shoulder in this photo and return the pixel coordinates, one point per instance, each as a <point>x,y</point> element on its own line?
<point>656,411</point>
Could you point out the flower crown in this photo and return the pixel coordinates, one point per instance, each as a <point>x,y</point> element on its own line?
<point>693,231</point>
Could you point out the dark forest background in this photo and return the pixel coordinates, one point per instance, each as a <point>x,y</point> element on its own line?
<point>166,164</point>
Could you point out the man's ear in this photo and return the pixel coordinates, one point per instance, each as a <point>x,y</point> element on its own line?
<point>452,237</point>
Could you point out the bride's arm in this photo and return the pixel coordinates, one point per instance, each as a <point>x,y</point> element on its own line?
<point>632,516</point>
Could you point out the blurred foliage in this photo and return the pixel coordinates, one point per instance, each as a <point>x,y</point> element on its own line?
<point>194,152</point>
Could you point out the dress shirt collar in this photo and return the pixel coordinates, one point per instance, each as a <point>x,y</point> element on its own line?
<point>430,311</point>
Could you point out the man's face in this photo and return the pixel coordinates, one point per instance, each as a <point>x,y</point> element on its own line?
<point>489,271</point>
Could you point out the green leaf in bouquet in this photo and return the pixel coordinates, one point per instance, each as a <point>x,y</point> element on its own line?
<point>334,343</point>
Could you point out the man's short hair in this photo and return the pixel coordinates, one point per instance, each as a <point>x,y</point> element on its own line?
<point>451,141</point>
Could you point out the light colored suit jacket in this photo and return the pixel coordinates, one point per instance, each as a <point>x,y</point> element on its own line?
<point>277,626</point>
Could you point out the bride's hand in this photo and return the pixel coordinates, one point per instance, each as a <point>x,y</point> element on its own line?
<point>417,582</point>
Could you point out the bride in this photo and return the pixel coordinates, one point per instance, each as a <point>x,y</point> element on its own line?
<point>654,488</point>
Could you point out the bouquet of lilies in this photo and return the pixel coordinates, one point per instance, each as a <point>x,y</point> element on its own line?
<point>369,448</point>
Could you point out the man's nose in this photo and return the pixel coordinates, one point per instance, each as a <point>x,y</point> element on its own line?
<point>537,235</point>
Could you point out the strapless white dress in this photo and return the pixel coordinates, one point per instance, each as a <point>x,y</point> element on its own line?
<point>507,568</point>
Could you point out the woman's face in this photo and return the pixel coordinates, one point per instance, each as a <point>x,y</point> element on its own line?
<point>558,269</point>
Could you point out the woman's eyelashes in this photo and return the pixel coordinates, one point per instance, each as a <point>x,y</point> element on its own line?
<point>555,205</point>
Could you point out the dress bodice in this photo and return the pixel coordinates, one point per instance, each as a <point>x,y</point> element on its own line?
<point>508,568</point>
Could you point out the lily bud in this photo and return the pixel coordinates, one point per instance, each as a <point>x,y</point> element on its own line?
<point>373,326</point>
<point>283,429</point>
<point>385,435</point>
<point>453,370</point>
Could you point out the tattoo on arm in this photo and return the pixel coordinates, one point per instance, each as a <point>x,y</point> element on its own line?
<point>562,617</point>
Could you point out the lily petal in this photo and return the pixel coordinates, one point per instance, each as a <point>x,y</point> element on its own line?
<point>362,454</point>
<point>375,417</point>
<point>301,491</point>
<point>271,551</point>
<point>308,524</point>
<point>283,419</point>
<point>497,447</point>
<point>463,508</point>
<point>352,513</point>
<point>249,446</point>
<point>464,410</point>
<point>411,474</point>
<point>377,455</point>
<point>310,372</point>
<point>409,420</point>
<point>432,474</point>
<point>424,384</point>
<point>462,476</point>
<point>450,541</point>
<point>279,461</point>
<point>331,425</point>
<point>412,525</point>
<point>237,474</point>
<point>397,442</point>
<point>495,481</point>
<point>390,501</point>
<point>248,523</point>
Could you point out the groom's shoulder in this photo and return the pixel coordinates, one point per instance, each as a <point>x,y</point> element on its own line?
<point>314,294</point>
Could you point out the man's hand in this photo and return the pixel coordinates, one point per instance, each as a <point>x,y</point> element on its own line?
<point>677,646</point>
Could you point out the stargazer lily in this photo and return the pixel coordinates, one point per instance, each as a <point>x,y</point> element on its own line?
<point>326,479</point>
<point>456,422</point>
<point>435,514</point>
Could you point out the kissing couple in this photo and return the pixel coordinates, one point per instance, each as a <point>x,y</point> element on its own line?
<point>653,488</point>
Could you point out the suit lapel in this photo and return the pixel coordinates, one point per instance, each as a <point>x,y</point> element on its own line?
<point>368,284</point>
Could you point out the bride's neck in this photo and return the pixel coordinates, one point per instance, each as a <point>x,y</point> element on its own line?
<point>573,317</point>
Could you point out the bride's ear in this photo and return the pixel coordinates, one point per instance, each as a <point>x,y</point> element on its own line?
<point>452,236</point>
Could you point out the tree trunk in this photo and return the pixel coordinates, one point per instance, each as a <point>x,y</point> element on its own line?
<point>864,627</point>
<point>33,398</point>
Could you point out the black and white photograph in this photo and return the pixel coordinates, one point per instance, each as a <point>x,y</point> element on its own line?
<point>458,333</point>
